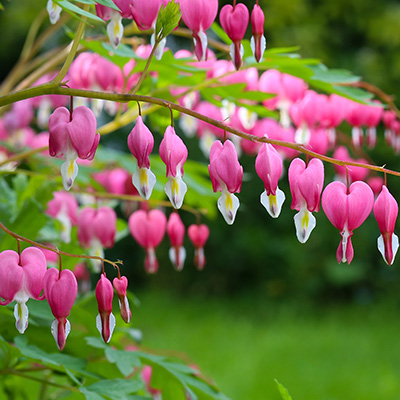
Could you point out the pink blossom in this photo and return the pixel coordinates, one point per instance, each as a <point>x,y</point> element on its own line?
<point>386,211</point>
<point>113,180</point>
<point>72,135</point>
<point>258,42</point>
<point>21,278</point>
<point>234,21</point>
<point>148,229</point>
<point>105,320</point>
<point>97,225</point>
<point>198,15</point>
<point>269,168</point>
<point>306,183</point>
<point>198,235</point>
<point>354,173</point>
<point>347,209</point>
<point>173,153</point>
<point>176,234</point>
<point>64,208</point>
<point>226,176</point>
<point>60,289</point>
<point>120,285</point>
<point>140,143</point>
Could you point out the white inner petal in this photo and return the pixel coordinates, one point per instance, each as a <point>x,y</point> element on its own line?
<point>21,314</point>
<point>395,246</point>
<point>176,189</point>
<point>69,171</point>
<point>273,204</point>
<point>144,180</point>
<point>228,205</point>
<point>304,222</point>
<point>179,261</point>
<point>115,29</point>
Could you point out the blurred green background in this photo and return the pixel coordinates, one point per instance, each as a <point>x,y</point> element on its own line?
<point>267,306</point>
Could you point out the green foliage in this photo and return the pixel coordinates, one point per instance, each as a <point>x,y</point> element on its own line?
<point>168,19</point>
<point>283,391</point>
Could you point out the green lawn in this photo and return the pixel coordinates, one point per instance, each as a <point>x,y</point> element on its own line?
<point>346,353</point>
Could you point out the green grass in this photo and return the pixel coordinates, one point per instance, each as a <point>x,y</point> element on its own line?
<point>340,353</point>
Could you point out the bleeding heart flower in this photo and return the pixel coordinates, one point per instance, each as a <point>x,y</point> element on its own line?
<point>198,235</point>
<point>21,278</point>
<point>306,184</point>
<point>234,21</point>
<point>173,153</point>
<point>198,15</point>
<point>258,42</point>
<point>386,211</point>
<point>60,289</point>
<point>269,168</point>
<point>148,229</point>
<point>176,234</point>
<point>72,135</point>
<point>120,285</point>
<point>140,143</point>
<point>347,209</point>
<point>105,320</point>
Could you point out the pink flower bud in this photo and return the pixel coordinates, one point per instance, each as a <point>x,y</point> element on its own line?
<point>269,168</point>
<point>386,211</point>
<point>120,286</point>
<point>72,135</point>
<point>173,153</point>
<point>140,143</point>
<point>105,320</point>
<point>114,180</point>
<point>198,15</point>
<point>258,39</point>
<point>148,229</point>
<point>21,278</point>
<point>60,290</point>
<point>176,234</point>
<point>234,21</point>
<point>198,235</point>
<point>347,209</point>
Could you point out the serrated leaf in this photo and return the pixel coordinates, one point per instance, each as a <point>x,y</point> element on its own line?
<point>168,19</point>
<point>66,5</point>
<point>283,391</point>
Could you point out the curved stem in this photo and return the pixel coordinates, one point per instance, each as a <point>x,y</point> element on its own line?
<point>59,252</point>
<point>79,33</point>
<point>52,89</point>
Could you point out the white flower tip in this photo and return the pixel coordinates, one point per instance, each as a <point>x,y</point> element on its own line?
<point>395,247</point>
<point>176,189</point>
<point>54,11</point>
<point>304,222</point>
<point>177,257</point>
<point>115,29</point>
<point>21,314</point>
<point>273,204</point>
<point>302,135</point>
<point>54,332</point>
<point>144,181</point>
<point>228,205</point>
<point>69,171</point>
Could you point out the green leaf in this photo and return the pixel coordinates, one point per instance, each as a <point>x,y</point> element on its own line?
<point>220,33</point>
<point>322,73</point>
<point>90,395</point>
<point>126,361</point>
<point>8,354</point>
<point>168,19</point>
<point>116,389</point>
<point>108,3</point>
<point>66,5</point>
<point>283,391</point>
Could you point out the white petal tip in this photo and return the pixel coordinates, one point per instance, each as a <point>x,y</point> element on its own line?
<point>176,189</point>
<point>273,204</point>
<point>228,205</point>
<point>305,222</point>
<point>144,181</point>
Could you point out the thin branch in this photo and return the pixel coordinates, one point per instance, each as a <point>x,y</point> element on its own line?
<point>55,250</point>
<point>51,89</point>
<point>75,44</point>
